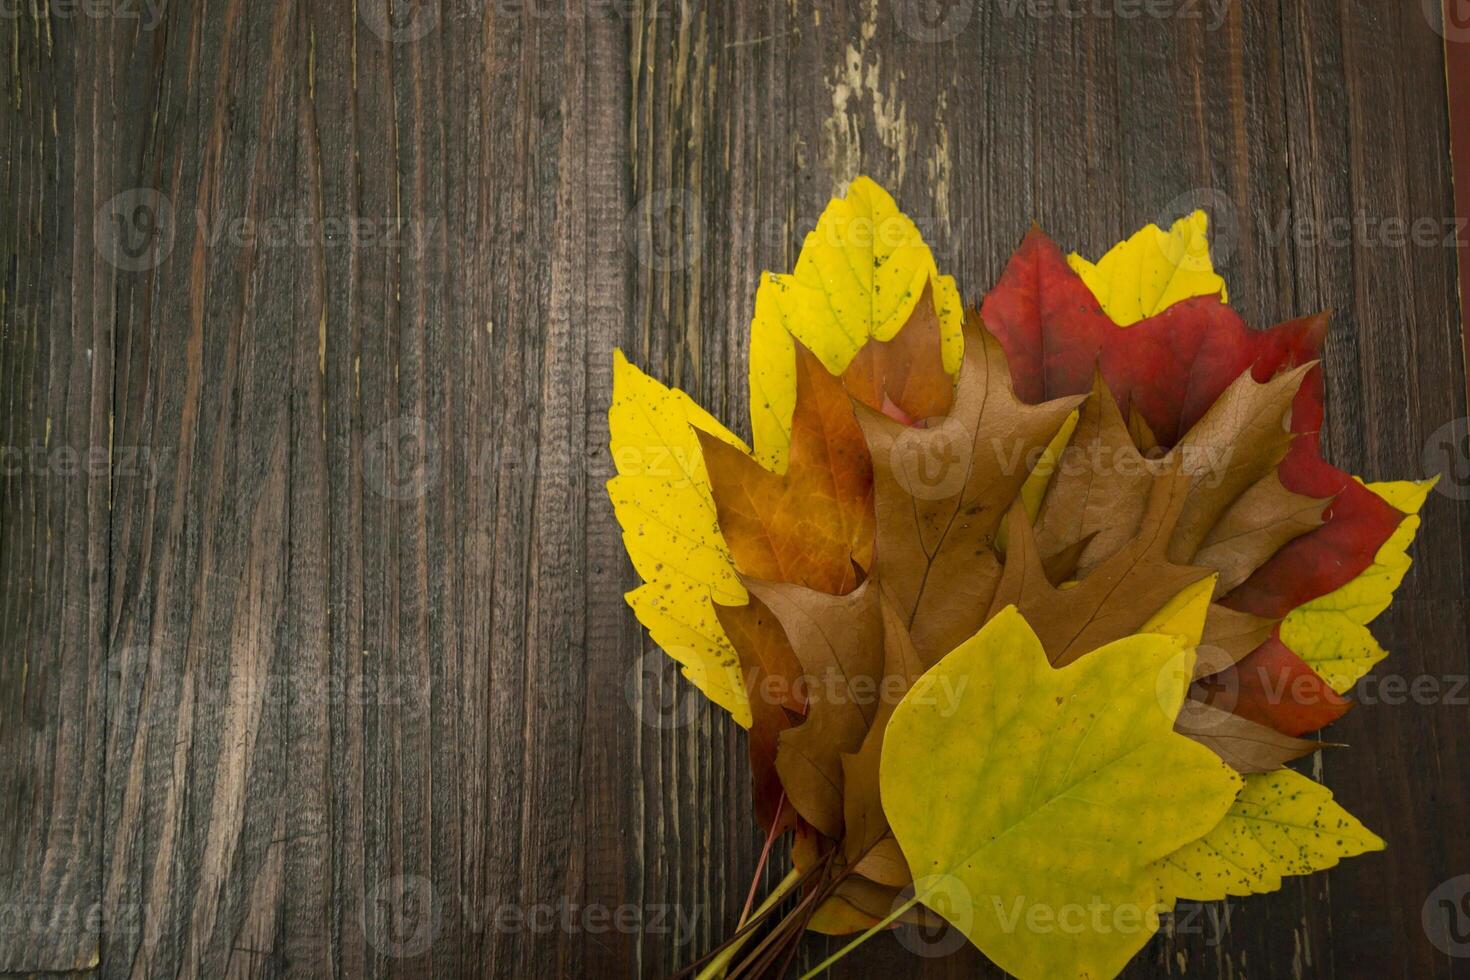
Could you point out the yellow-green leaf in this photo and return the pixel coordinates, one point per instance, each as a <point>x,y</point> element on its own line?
<point>1331,632</point>
<point>1152,270</point>
<point>1025,797</point>
<point>860,272</point>
<point>1184,615</point>
<point>1034,489</point>
<point>661,497</point>
<point>1282,824</point>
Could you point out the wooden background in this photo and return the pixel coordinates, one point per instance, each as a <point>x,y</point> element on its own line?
<point>314,656</point>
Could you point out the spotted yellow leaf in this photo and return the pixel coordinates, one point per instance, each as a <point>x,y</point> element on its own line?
<point>859,274</point>
<point>1331,632</point>
<point>661,498</point>
<point>1152,270</point>
<point>1282,824</point>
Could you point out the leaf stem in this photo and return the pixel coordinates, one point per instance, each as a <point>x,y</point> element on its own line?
<point>861,939</point>
<point>716,967</point>
<point>761,864</point>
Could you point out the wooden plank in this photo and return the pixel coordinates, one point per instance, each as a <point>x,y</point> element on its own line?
<point>346,686</point>
<point>57,474</point>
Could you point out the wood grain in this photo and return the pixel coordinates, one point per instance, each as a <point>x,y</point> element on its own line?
<point>324,669</point>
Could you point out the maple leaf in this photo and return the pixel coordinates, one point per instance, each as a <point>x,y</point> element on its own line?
<point>662,499</point>
<point>1016,826</point>
<point>1152,270</point>
<point>1330,633</point>
<point>771,672</point>
<point>838,641</point>
<point>860,273</point>
<point>1169,368</point>
<point>941,492</point>
<point>810,524</point>
<point>1115,598</point>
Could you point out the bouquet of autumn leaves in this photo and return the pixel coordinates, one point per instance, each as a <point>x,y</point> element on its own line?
<point>1025,608</point>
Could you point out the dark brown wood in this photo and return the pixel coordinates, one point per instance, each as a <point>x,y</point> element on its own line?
<point>323,670</point>
<point>1457,86</point>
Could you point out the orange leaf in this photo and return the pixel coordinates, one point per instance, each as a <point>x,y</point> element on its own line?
<point>809,525</point>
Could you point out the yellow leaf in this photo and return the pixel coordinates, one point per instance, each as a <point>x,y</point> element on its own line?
<point>1029,801</point>
<point>1152,270</point>
<point>661,497</point>
<point>1331,632</point>
<point>1034,489</point>
<point>860,272</point>
<point>1184,615</point>
<point>1282,824</point>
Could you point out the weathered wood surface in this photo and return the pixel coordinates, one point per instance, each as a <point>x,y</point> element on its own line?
<point>320,666</point>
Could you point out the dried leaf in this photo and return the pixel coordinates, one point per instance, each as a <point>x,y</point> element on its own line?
<point>810,524</point>
<point>905,377</point>
<point>1274,687</point>
<point>865,824</point>
<point>1245,746</point>
<point>838,641</point>
<point>1255,526</point>
<point>1112,601</point>
<point>1169,368</point>
<point>940,493</point>
<point>1152,270</point>
<point>771,672</point>
<point>859,275</point>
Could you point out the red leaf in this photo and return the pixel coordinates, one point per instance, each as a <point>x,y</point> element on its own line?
<point>1170,368</point>
<point>1274,687</point>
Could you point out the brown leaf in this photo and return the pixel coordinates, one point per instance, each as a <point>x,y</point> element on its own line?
<point>1229,637</point>
<point>1100,487</point>
<point>809,525</point>
<point>865,824</point>
<point>1254,527</point>
<point>1143,436</point>
<point>859,904</point>
<point>1114,599</point>
<point>940,493</point>
<point>838,640</point>
<point>1237,443</point>
<point>885,864</point>
<point>1062,566</point>
<point>771,672</point>
<point>905,377</point>
<point>1244,745</point>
